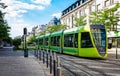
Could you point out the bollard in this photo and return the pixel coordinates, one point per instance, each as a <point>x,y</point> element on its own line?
<point>47,59</point>
<point>51,52</point>
<point>58,61</point>
<point>50,64</point>
<point>54,67</point>
<point>34,52</point>
<point>43,58</point>
<point>39,54</point>
<point>25,52</point>
<point>59,72</point>
<point>54,64</point>
<point>54,55</point>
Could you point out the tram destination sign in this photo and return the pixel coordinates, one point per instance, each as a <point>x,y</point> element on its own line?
<point>97,26</point>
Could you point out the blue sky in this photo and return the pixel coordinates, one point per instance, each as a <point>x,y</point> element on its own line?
<point>30,13</point>
<point>43,16</point>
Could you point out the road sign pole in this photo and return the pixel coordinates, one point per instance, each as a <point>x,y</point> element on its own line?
<point>25,45</point>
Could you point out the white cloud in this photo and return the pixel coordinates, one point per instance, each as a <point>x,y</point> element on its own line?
<point>44,2</point>
<point>18,25</point>
<point>58,15</point>
<point>16,8</point>
<point>15,11</point>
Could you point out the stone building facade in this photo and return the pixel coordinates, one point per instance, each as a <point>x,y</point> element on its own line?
<point>83,8</point>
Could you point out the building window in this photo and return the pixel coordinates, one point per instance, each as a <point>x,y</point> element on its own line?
<point>99,7</point>
<point>69,8</point>
<point>84,1</point>
<point>93,7</point>
<point>83,12</point>
<point>107,3</point>
<point>77,4</point>
<point>114,1</point>
<point>69,20</point>
<point>75,14</point>
<point>79,13</point>
<point>72,6</point>
<point>86,11</point>
<point>90,8</point>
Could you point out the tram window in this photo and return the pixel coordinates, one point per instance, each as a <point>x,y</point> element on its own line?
<point>85,40</point>
<point>36,42</point>
<point>55,41</point>
<point>58,41</point>
<point>46,41</point>
<point>76,40</point>
<point>41,41</point>
<point>68,40</point>
<point>52,41</point>
<point>99,37</point>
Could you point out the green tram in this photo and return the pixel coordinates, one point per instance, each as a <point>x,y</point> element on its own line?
<point>84,41</point>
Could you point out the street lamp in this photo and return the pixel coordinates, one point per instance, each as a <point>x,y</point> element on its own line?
<point>25,45</point>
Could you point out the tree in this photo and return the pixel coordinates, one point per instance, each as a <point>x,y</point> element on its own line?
<point>8,40</point>
<point>17,42</point>
<point>53,28</point>
<point>80,21</point>
<point>106,17</point>
<point>94,17</point>
<point>113,17</point>
<point>31,40</point>
<point>4,29</point>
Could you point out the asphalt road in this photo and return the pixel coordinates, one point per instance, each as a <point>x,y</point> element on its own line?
<point>8,51</point>
<point>13,63</point>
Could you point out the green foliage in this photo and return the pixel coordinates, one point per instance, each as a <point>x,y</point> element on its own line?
<point>80,21</point>
<point>17,42</point>
<point>8,40</point>
<point>4,29</point>
<point>31,40</point>
<point>94,17</point>
<point>53,28</point>
<point>106,17</point>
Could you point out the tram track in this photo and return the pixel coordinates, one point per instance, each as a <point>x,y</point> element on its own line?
<point>70,72</point>
<point>108,62</point>
<point>77,66</point>
<point>85,67</point>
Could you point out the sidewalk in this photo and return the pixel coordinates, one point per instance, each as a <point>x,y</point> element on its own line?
<point>13,63</point>
<point>113,53</point>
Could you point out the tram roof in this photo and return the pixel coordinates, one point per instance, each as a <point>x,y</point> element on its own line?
<point>37,37</point>
<point>40,36</point>
<point>47,35</point>
<point>73,30</point>
<point>58,33</point>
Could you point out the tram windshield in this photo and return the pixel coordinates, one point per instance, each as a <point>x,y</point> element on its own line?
<point>99,37</point>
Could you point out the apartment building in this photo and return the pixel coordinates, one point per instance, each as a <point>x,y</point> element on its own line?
<point>54,21</point>
<point>83,8</point>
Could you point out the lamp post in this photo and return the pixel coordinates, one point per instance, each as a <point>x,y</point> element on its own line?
<point>25,45</point>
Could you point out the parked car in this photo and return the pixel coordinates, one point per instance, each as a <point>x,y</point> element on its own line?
<point>1,44</point>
